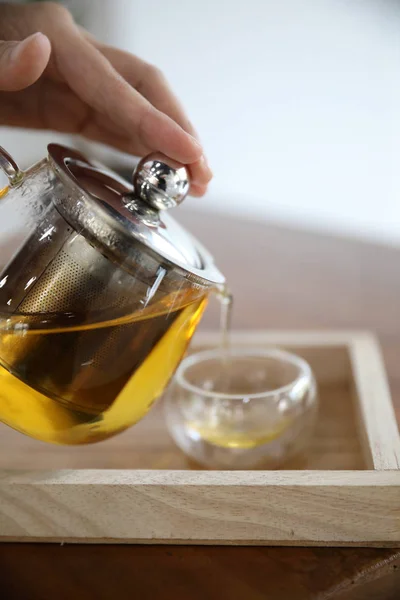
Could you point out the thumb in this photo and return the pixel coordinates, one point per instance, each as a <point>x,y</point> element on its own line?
<point>22,63</point>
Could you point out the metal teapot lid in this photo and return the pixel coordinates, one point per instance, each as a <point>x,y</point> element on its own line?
<point>111,211</point>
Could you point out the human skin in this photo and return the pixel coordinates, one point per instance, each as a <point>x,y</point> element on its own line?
<point>55,76</point>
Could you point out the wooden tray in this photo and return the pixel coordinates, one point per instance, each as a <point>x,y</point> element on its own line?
<point>138,487</point>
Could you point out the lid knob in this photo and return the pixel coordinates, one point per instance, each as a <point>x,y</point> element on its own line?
<point>160,181</point>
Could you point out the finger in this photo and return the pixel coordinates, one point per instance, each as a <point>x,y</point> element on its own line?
<point>146,79</point>
<point>95,80</point>
<point>200,172</point>
<point>149,82</point>
<point>22,63</point>
<point>99,130</point>
<point>197,190</point>
<point>103,132</point>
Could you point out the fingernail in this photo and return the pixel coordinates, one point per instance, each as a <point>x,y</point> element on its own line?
<point>192,128</point>
<point>18,48</point>
<point>206,166</point>
<point>195,141</point>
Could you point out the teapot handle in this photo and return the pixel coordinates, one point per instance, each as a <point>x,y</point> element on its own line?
<point>10,167</point>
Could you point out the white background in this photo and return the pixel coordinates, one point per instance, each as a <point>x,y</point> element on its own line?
<point>297,102</point>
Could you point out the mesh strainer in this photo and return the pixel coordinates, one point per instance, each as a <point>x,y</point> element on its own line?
<point>91,247</point>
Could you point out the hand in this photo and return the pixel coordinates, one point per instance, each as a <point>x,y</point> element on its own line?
<point>64,80</point>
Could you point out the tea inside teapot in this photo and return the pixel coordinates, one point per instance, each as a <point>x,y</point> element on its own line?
<point>100,299</point>
<point>77,384</point>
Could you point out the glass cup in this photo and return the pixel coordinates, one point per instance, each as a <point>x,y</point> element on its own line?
<point>241,408</point>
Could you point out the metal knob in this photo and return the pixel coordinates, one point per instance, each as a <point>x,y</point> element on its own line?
<point>10,167</point>
<point>160,181</point>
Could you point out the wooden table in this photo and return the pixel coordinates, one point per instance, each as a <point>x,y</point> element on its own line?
<point>281,279</point>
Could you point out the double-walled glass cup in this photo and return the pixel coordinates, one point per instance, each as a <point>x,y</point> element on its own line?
<point>242,408</point>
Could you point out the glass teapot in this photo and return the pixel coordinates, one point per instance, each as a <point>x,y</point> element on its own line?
<point>100,293</point>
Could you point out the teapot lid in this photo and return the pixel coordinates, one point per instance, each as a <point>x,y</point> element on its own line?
<point>109,210</point>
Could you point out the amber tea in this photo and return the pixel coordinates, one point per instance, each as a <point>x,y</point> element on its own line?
<point>231,424</point>
<point>76,384</point>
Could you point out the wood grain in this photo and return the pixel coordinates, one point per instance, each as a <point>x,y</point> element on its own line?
<point>273,508</point>
<point>282,279</point>
<point>378,428</point>
<point>307,506</point>
<point>335,444</point>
